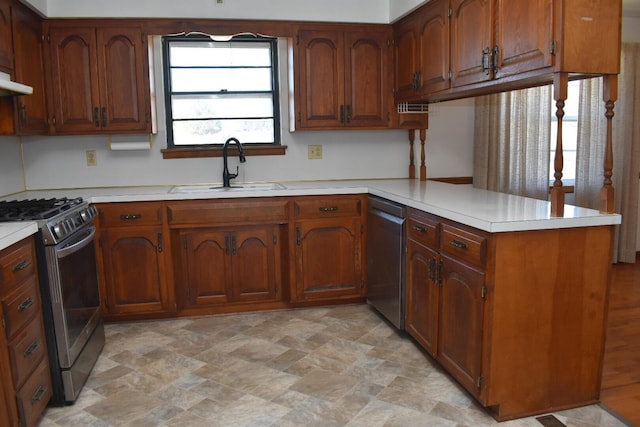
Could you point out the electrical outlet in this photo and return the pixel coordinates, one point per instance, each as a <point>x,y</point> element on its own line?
<point>92,158</point>
<point>315,152</point>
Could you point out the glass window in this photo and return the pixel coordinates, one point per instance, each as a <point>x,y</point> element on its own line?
<point>215,90</point>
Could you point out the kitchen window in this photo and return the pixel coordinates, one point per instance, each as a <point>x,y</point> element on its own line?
<point>217,88</point>
<point>569,135</point>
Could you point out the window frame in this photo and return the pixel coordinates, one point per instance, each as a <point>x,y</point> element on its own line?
<point>215,150</point>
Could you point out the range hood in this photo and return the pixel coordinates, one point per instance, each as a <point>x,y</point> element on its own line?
<point>10,88</point>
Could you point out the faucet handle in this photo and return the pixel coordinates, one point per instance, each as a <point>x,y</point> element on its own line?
<point>235,175</point>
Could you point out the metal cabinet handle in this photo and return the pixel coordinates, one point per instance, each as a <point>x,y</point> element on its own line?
<point>96,117</point>
<point>328,208</point>
<point>21,265</point>
<point>348,114</point>
<point>104,117</point>
<point>31,349</point>
<point>39,394</point>
<point>419,228</point>
<point>342,114</point>
<point>486,53</point>
<point>459,244</point>
<point>496,52</point>
<point>127,217</point>
<point>234,248</point>
<point>160,246</point>
<point>26,304</point>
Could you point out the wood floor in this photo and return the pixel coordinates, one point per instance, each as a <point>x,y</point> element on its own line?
<point>621,371</point>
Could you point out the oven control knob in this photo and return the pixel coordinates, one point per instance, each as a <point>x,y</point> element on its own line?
<point>58,230</point>
<point>85,215</point>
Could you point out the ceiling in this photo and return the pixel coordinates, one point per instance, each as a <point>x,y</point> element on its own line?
<point>631,8</point>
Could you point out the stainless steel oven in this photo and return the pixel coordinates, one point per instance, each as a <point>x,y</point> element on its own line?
<point>68,286</point>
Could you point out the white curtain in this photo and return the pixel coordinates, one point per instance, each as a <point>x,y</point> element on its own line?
<point>511,149</point>
<point>626,147</point>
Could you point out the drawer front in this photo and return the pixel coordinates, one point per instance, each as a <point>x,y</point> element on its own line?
<point>34,395</point>
<point>423,229</point>
<point>20,306</point>
<point>26,351</point>
<point>464,245</point>
<point>17,262</point>
<point>130,214</point>
<point>221,212</point>
<point>328,207</point>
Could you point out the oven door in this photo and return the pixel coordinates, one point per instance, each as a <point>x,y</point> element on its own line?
<point>75,296</point>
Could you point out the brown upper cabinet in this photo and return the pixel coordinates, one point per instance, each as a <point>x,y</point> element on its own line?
<point>99,79</point>
<point>6,47</point>
<point>31,110</point>
<point>451,49</point>
<point>343,78</point>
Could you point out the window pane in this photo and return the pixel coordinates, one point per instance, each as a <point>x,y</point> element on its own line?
<point>220,54</point>
<point>221,106</point>
<point>220,79</point>
<point>195,132</point>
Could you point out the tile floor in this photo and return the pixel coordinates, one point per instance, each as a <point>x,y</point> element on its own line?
<point>329,366</point>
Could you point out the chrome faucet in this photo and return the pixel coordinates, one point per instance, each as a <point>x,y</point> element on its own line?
<point>226,175</point>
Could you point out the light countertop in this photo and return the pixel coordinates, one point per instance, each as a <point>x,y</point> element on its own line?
<point>486,210</point>
<point>13,232</point>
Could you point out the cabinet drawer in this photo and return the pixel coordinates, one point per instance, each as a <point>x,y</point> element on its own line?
<point>17,263</point>
<point>33,397</point>
<point>26,351</point>
<point>220,212</point>
<point>423,229</point>
<point>20,306</point>
<point>464,245</point>
<point>130,214</point>
<point>327,207</point>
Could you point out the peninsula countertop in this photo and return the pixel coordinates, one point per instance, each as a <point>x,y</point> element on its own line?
<point>486,210</point>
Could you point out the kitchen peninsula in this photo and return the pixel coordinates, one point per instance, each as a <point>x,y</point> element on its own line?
<point>515,312</point>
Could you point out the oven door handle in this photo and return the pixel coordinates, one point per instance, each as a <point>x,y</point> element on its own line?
<point>85,238</point>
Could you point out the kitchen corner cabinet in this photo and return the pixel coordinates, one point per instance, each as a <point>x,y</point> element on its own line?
<point>6,46</point>
<point>517,318</point>
<point>31,113</point>
<point>343,78</point>
<point>228,253</point>
<point>329,247</point>
<point>132,260</point>
<point>99,79</point>
<point>25,386</point>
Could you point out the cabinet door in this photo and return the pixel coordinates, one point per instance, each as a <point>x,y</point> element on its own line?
<point>367,79</point>
<point>461,317</point>
<point>433,48</point>
<point>29,69</point>
<point>206,265</point>
<point>523,35</point>
<point>255,263</point>
<point>471,41</point>
<point>321,79</point>
<point>329,258</point>
<point>134,270</point>
<point>406,59</point>
<point>124,82</point>
<point>6,47</point>
<point>74,75</point>
<point>422,296</point>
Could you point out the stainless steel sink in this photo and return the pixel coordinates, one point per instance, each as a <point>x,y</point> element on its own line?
<point>208,188</point>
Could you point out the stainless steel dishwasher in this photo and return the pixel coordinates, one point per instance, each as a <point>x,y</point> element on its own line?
<point>385,258</point>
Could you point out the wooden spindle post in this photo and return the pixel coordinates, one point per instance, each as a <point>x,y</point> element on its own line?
<point>423,165</point>
<point>610,95</point>
<point>560,89</point>
<point>412,165</point>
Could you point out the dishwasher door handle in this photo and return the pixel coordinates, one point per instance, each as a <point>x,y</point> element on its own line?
<point>386,216</point>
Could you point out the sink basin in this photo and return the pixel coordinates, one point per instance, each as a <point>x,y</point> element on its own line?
<point>263,186</point>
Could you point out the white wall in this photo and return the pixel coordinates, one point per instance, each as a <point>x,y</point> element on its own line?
<point>372,11</point>
<point>11,176</point>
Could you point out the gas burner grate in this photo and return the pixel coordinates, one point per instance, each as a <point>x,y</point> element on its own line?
<point>35,209</point>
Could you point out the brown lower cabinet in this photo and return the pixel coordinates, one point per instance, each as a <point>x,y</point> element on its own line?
<point>517,318</point>
<point>25,379</point>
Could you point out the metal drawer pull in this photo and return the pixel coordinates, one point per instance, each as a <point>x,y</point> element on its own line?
<point>31,349</point>
<point>459,244</point>
<point>39,394</point>
<point>21,265</point>
<point>328,208</point>
<point>420,228</point>
<point>25,304</point>
<point>130,216</point>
